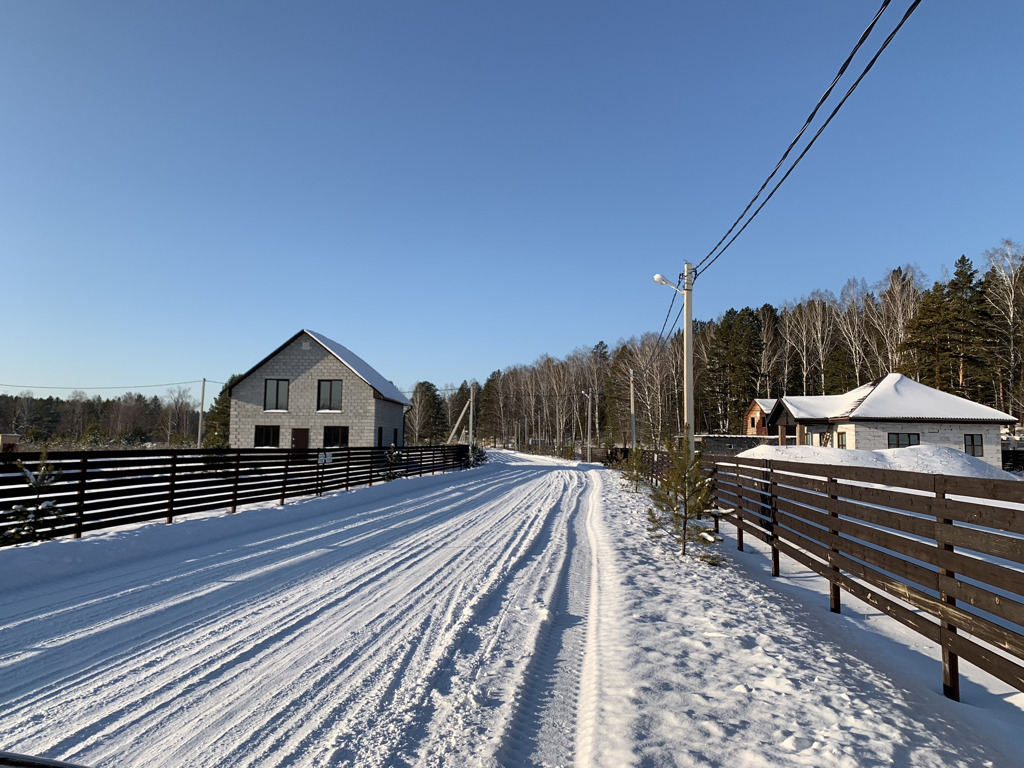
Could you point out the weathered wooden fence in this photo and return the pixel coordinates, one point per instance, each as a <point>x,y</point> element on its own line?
<point>942,555</point>
<point>104,489</point>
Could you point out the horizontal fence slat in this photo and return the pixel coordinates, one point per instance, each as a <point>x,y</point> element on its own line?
<point>103,489</point>
<point>938,553</point>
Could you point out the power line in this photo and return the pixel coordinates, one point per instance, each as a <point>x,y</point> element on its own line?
<point>818,133</point>
<point>124,389</point>
<point>810,118</point>
<point>671,304</point>
<point>705,263</point>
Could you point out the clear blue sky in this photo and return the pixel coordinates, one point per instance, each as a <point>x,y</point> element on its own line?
<point>449,188</point>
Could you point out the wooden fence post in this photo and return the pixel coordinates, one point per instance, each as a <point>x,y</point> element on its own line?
<point>284,480</point>
<point>739,516</point>
<point>834,600</point>
<point>80,507</point>
<point>234,488</point>
<point>170,494</point>
<point>773,518</point>
<point>950,661</point>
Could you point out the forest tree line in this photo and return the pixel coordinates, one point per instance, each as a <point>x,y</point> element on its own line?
<point>963,334</point>
<point>79,421</point>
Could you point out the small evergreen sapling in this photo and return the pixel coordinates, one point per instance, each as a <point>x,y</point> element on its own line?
<point>683,495</point>
<point>34,522</point>
<point>633,469</point>
<point>394,459</point>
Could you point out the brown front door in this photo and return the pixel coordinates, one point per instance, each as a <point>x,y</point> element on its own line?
<point>300,439</point>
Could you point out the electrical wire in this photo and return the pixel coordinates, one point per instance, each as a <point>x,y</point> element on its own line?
<point>125,389</point>
<point>824,125</point>
<point>705,263</point>
<point>671,304</point>
<point>810,118</point>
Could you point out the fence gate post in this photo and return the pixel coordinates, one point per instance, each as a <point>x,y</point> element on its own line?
<point>284,480</point>
<point>834,600</point>
<point>950,661</point>
<point>234,488</point>
<point>170,494</point>
<point>80,510</point>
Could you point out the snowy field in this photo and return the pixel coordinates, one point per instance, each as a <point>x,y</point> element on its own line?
<point>512,615</point>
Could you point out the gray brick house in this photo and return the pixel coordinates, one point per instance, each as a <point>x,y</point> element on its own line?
<point>312,392</point>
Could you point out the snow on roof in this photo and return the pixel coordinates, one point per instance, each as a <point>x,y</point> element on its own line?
<point>928,459</point>
<point>897,396</point>
<point>894,397</point>
<point>765,404</point>
<point>362,369</point>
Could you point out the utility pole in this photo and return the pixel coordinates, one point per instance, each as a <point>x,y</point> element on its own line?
<point>687,293</point>
<point>202,407</point>
<point>632,412</point>
<point>589,400</point>
<point>471,388</point>
<point>688,353</point>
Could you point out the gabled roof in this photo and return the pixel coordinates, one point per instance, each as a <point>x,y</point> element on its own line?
<point>384,388</point>
<point>893,397</point>
<point>765,404</point>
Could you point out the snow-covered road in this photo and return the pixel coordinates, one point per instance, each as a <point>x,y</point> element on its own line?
<point>512,615</point>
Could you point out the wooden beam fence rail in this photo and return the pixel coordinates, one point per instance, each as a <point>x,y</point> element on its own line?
<point>942,555</point>
<point>105,489</point>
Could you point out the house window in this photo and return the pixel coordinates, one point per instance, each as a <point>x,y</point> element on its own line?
<point>394,440</point>
<point>335,437</point>
<point>972,445</point>
<point>903,439</point>
<point>753,422</point>
<point>329,398</point>
<point>840,439</point>
<point>267,436</point>
<point>275,395</point>
<point>380,437</point>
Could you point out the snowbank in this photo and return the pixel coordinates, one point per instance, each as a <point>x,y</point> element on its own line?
<point>929,459</point>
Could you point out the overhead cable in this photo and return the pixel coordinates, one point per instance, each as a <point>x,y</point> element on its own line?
<point>126,389</point>
<point>818,133</point>
<point>810,118</point>
<point>712,257</point>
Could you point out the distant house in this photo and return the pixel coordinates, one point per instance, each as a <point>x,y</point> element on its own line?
<point>312,392</point>
<point>891,412</point>
<point>756,420</point>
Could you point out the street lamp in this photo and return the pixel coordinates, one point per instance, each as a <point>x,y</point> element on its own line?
<point>589,405</point>
<point>687,293</point>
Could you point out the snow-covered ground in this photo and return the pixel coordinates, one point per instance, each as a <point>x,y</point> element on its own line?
<point>513,615</point>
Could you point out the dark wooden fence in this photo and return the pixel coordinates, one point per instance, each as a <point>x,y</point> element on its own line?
<point>942,555</point>
<point>104,489</point>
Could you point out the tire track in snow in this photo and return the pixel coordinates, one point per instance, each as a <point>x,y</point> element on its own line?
<point>542,730</point>
<point>235,655</point>
<point>221,576</point>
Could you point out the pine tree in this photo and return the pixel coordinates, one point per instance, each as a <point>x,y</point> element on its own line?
<point>218,418</point>
<point>682,496</point>
<point>966,322</point>
<point>928,339</point>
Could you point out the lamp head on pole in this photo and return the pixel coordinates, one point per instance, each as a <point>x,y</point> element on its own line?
<point>661,280</point>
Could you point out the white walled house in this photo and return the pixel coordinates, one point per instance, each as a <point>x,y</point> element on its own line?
<point>892,412</point>
<point>312,392</point>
